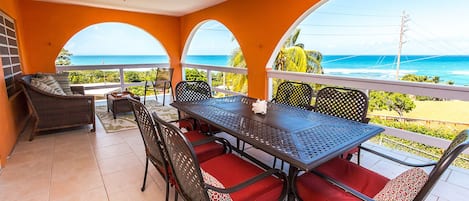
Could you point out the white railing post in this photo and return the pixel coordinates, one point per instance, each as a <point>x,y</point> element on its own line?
<point>269,88</point>
<point>209,78</point>
<point>121,77</point>
<point>183,72</point>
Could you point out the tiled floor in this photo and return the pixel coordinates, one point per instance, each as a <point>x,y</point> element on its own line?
<point>79,165</point>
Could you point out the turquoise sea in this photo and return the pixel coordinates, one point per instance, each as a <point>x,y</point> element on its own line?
<point>448,68</point>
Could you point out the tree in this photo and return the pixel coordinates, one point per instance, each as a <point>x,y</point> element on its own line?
<point>291,57</point>
<point>427,79</point>
<point>64,58</point>
<point>237,82</point>
<point>400,103</point>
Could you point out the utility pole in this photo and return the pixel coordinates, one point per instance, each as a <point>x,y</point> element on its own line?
<point>404,20</point>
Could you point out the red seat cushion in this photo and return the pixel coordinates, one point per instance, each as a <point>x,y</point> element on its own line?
<point>231,170</point>
<point>312,187</point>
<point>204,151</point>
<point>207,128</point>
<point>186,123</point>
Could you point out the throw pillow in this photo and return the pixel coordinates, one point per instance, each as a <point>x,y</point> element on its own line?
<point>404,187</point>
<point>214,195</point>
<point>50,82</point>
<point>43,87</point>
<point>62,79</point>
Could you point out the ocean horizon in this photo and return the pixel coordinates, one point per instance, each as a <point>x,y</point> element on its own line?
<point>453,68</point>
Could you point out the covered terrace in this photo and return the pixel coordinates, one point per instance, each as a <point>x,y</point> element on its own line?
<point>43,27</point>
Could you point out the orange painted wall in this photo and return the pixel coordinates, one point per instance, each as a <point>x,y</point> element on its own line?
<point>43,29</point>
<point>257,25</point>
<point>8,115</point>
<point>47,27</point>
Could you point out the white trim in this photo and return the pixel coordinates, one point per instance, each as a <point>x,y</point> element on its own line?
<point>414,88</point>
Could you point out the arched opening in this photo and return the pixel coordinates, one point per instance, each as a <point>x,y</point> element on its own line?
<point>107,47</point>
<point>396,42</point>
<point>212,43</point>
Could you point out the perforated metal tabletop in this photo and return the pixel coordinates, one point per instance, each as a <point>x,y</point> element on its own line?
<point>300,137</point>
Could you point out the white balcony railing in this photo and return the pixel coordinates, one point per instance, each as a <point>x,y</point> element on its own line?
<point>119,67</point>
<point>413,88</point>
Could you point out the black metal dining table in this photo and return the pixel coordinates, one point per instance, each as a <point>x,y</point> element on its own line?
<point>302,138</point>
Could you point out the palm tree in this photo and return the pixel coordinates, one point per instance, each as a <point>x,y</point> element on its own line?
<point>292,57</point>
<point>237,82</point>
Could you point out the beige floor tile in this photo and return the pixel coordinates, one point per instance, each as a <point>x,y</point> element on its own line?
<point>124,179</point>
<point>77,164</point>
<point>13,175</point>
<point>112,150</point>
<point>118,163</point>
<point>72,182</point>
<point>133,194</point>
<point>21,190</point>
<point>97,194</point>
<point>98,142</point>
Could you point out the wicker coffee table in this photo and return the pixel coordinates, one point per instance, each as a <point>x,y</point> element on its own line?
<point>117,102</point>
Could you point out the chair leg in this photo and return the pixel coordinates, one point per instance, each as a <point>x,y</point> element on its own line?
<point>164,92</point>
<point>145,177</point>
<point>358,156</point>
<point>154,91</point>
<point>167,188</point>
<point>175,195</point>
<point>144,93</point>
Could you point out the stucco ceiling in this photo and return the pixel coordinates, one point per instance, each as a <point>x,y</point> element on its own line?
<point>164,7</point>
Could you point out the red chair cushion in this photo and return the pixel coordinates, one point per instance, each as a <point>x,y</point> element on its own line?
<point>231,170</point>
<point>207,128</point>
<point>204,151</point>
<point>312,187</point>
<point>351,152</point>
<point>186,123</point>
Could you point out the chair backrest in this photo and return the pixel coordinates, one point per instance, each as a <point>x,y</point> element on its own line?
<point>184,163</point>
<point>344,103</point>
<point>458,145</point>
<point>163,75</point>
<point>192,91</point>
<point>153,146</point>
<point>295,94</point>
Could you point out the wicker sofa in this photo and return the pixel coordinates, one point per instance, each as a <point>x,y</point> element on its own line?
<point>50,111</point>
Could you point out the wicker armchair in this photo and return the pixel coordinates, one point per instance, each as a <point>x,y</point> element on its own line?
<point>51,111</point>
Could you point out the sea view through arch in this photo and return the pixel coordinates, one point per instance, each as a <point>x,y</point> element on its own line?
<point>453,68</point>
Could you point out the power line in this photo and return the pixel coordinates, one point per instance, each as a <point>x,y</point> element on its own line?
<point>348,25</point>
<point>344,34</point>
<point>354,14</point>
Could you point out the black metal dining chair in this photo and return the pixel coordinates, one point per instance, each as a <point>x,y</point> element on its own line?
<point>187,91</point>
<point>295,94</point>
<point>225,177</point>
<point>153,146</point>
<point>340,179</point>
<point>345,103</point>
<point>154,149</point>
<point>163,80</point>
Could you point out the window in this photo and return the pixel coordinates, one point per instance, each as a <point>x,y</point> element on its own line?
<point>9,52</point>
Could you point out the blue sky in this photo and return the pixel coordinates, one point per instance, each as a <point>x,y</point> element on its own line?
<point>351,27</point>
